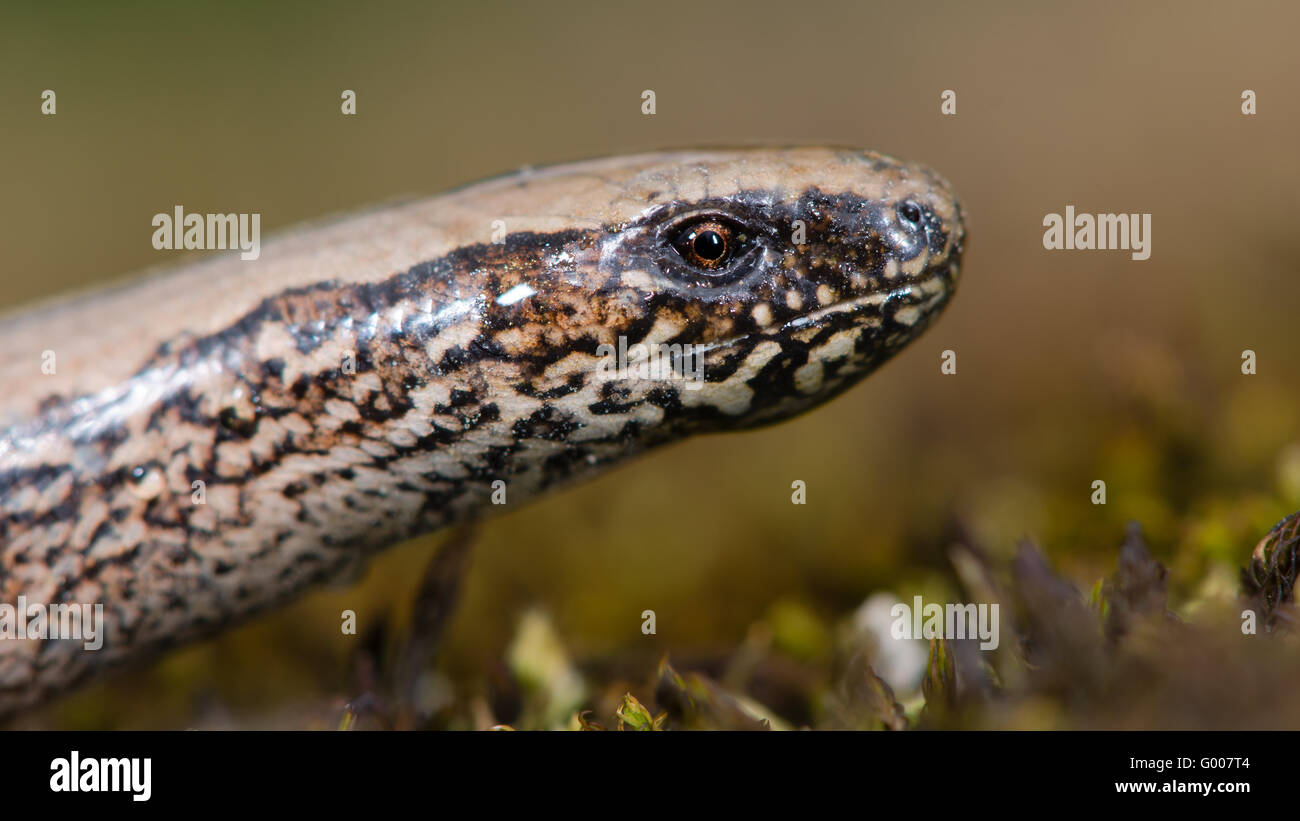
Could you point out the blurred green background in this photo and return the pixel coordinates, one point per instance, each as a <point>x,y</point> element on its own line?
<point>1071,366</point>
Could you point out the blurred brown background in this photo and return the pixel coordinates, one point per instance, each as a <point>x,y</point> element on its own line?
<point>1071,366</point>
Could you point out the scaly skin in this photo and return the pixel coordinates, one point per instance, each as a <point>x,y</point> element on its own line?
<point>370,379</point>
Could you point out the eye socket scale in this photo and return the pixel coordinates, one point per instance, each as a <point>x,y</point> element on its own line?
<point>709,244</point>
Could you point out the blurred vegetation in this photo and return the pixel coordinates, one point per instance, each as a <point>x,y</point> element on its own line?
<point>1119,658</point>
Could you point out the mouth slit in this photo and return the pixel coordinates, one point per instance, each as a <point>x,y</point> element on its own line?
<point>843,306</point>
<point>877,298</point>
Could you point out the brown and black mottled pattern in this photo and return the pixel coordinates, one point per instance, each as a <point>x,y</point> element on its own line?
<point>335,419</point>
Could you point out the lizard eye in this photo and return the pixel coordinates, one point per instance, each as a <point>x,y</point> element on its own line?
<point>709,244</point>
<point>708,247</point>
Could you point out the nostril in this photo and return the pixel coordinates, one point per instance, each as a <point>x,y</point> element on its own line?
<point>910,213</point>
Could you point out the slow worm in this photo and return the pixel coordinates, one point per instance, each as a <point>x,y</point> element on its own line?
<point>211,440</point>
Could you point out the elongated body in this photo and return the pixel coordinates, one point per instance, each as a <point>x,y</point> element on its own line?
<point>213,439</point>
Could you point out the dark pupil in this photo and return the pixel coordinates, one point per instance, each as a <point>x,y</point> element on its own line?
<point>708,245</point>
<point>911,212</point>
